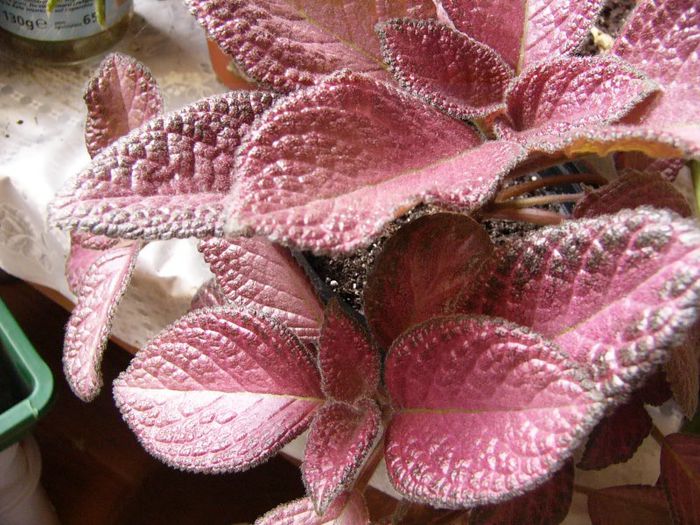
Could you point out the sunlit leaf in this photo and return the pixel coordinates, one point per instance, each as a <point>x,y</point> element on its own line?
<point>219,390</point>
<point>484,410</point>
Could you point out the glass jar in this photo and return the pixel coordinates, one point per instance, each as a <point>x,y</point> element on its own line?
<point>71,33</point>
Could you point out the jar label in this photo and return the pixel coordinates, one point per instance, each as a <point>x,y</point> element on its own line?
<point>70,19</point>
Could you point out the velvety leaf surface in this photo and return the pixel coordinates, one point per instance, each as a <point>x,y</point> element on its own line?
<point>209,294</point>
<point>349,509</point>
<point>340,441</point>
<point>456,73</point>
<point>524,32</point>
<point>348,359</point>
<point>264,277</point>
<point>680,476</point>
<point>90,323</point>
<point>548,504</point>
<point>683,373</point>
<point>617,437</point>
<point>421,270</point>
<point>165,179</point>
<point>219,390</point>
<point>661,38</point>
<point>120,97</point>
<point>619,291</point>
<point>484,410</point>
<point>573,92</point>
<point>629,505</point>
<point>286,44</point>
<point>314,160</point>
<point>630,190</point>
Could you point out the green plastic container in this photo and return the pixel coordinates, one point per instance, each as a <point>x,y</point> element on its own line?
<point>26,383</point>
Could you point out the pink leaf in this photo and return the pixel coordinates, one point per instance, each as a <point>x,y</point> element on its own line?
<point>340,440</point>
<point>629,505</point>
<point>524,32</point>
<point>165,179</point>
<point>458,74</point>
<point>264,277</point>
<point>209,294</point>
<point>661,39</point>
<point>682,371</point>
<point>219,390</point>
<point>348,360</point>
<point>421,270</point>
<point>617,291</point>
<point>350,144</point>
<point>120,97</point>
<point>631,190</point>
<point>548,504</point>
<point>573,93</point>
<point>348,509</point>
<point>617,437</point>
<point>680,476</point>
<point>90,323</point>
<point>484,410</point>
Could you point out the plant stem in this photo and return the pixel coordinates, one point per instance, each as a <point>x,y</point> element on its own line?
<point>657,435</point>
<point>528,202</point>
<point>583,489</point>
<point>695,174</point>
<point>369,467</point>
<point>556,180</point>
<point>532,215</point>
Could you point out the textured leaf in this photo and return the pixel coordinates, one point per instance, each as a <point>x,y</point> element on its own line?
<point>557,96</point>
<point>348,360</point>
<point>219,390</point>
<point>524,32</point>
<point>661,38</point>
<point>421,270</point>
<point>484,410</point>
<point>456,73</point>
<point>548,504</point>
<point>264,277</point>
<point>290,43</point>
<point>680,476</point>
<point>90,323</point>
<point>617,291</point>
<point>166,179</point>
<point>349,509</point>
<point>208,295</point>
<point>340,440</point>
<point>630,190</point>
<point>629,505</point>
<point>310,163</point>
<point>617,437</point>
<point>682,371</point>
<point>120,97</point>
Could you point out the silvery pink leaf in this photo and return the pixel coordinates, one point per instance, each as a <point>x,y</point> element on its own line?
<point>660,38</point>
<point>629,505</point>
<point>456,73</point>
<point>286,44</point>
<point>90,323</point>
<point>617,437</point>
<point>348,359</point>
<point>348,509</point>
<point>120,97</point>
<point>421,270</point>
<point>264,277</point>
<point>524,32</point>
<point>340,440</point>
<point>484,425</point>
<point>570,93</point>
<point>328,167</point>
<point>548,504</point>
<point>680,476</point>
<point>209,294</point>
<point>682,371</point>
<point>166,179</point>
<point>618,291</point>
<point>85,249</point>
<point>219,390</point>
<point>630,190</point>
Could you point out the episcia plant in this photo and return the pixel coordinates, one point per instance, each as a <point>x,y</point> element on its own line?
<point>473,369</point>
